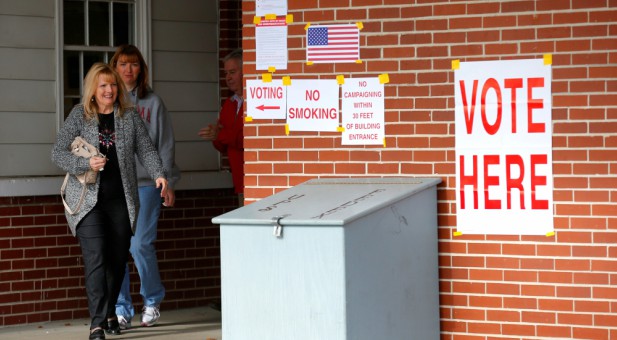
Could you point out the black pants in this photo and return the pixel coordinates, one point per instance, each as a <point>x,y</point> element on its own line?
<point>105,237</point>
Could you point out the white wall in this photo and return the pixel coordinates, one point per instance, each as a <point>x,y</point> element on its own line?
<point>185,67</point>
<point>27,87</point>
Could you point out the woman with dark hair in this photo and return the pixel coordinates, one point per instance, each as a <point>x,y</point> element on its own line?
<point>132,68</point>
<point>106,220</point>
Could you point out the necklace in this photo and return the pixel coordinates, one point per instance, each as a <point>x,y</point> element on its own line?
<point>107,134</point>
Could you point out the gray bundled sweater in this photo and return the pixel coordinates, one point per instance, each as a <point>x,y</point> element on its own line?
<point>158,122</point>
<point>131,140</point>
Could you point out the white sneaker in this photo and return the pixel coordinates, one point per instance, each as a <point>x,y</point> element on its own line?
<point>149,316</point>
<point>124,322</point>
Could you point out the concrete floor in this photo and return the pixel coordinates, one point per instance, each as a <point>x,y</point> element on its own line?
<point>201,323</point>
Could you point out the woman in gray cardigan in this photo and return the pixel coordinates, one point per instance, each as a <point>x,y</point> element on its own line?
<point>106,220</point>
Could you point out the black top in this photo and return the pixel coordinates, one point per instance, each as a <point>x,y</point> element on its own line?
<point>111,180</point>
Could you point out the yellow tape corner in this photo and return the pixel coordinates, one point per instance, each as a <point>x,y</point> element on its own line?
<point>358,61</point>
<point>457,233</point>
<point>360,25</point>
<point>270,16</point>
<point>287,129</point>
<point>550,234</point>
<point>340,129</point>
<point>340,79</point>
<point>266,77</point>
<point>289,18</point>
<point>548,59</point>
<point>256,20</point>
<point>248,119</point>
<point>271,69</point>
<point>384,78</point>
<point>286,80</point>
<point>309,63</point>
<point>306,27</point>
<point>456,64</point>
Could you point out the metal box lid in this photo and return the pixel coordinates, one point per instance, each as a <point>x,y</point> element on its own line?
<point>331,201</point>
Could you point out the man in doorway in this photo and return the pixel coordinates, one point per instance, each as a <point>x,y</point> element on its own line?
<point>227,135</point>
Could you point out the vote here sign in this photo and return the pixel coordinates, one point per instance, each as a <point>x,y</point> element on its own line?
<point>265,100</point>
<point>312,105</point>
<point>504,178</point>
<point>363,111</point>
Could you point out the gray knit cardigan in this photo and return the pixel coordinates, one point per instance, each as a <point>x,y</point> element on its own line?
<point>131,139</point>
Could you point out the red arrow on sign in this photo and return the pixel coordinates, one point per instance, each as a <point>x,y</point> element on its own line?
<point>263,107</point>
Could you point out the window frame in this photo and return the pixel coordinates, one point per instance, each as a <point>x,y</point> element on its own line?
<point>141,37</point>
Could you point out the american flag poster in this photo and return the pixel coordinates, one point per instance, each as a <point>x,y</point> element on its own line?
<point>333,44</point>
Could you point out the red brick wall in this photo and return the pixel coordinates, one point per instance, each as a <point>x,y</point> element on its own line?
<point>514,287</point>
<point>231,34</point>
<point>41,273</point>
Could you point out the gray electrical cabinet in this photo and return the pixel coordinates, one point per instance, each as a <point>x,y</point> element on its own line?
<point>333,259</point>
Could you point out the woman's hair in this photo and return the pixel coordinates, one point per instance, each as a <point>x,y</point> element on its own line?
<point>91,83</point>
<point>131,54</point>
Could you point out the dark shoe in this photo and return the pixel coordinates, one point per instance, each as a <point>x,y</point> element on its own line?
<point>113,327</point>
<point>97,335</point>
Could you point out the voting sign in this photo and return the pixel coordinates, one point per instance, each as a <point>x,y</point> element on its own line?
<point>265,100</point>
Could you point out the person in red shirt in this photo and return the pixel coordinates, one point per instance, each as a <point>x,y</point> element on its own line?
<point>227,135</point>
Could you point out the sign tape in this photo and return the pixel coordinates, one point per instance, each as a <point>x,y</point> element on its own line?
<point>456,64</point>
<point>384,78</point>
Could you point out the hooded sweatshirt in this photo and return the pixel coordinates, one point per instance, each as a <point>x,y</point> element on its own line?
<point>153,112</point>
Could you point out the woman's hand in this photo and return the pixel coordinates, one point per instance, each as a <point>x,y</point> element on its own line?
<point>170,198</point>
<point>97,163</point>
<point>162,183</point>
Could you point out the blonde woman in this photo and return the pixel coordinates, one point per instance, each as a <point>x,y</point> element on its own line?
<point>106,221</point>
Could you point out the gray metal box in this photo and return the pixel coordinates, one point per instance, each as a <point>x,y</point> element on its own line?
<point>355,259</point>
